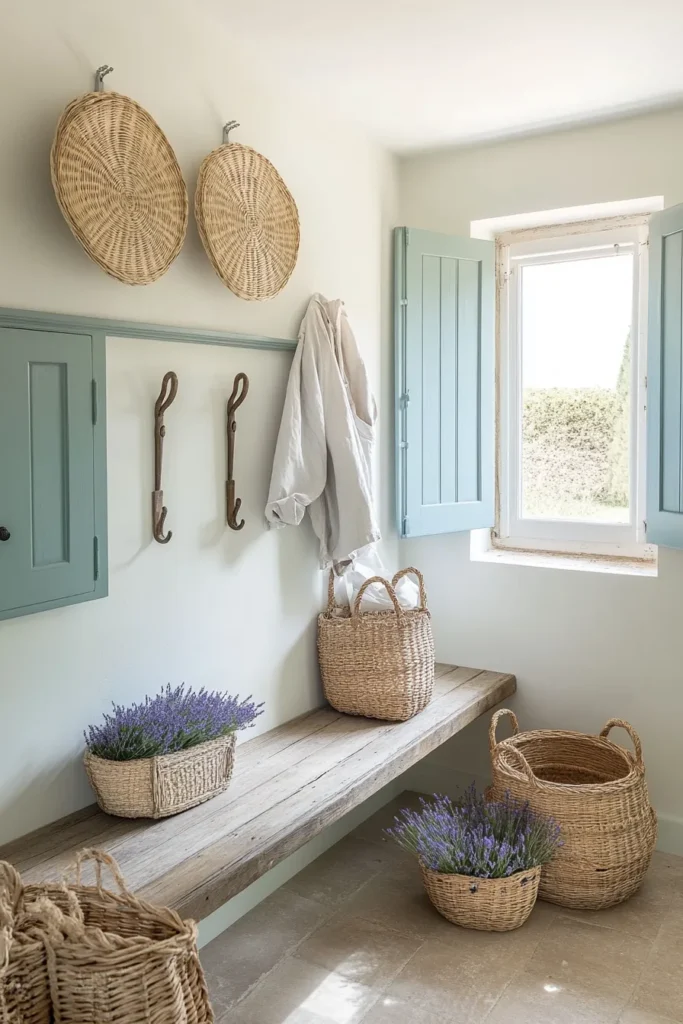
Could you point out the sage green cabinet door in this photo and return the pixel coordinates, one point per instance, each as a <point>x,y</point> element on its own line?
<point>47,470</point>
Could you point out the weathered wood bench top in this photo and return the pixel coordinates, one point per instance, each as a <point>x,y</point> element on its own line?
<point>289,785</point>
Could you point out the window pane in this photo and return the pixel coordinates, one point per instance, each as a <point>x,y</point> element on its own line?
<point>576,351</point>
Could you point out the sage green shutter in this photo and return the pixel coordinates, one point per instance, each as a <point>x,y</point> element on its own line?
<point>444,382</point>
<point>49,476</point>
<point>665,380</point>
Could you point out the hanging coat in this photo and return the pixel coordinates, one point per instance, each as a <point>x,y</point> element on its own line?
<point>323,456</point>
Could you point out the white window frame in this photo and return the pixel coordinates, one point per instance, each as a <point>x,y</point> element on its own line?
<point>515,249</point>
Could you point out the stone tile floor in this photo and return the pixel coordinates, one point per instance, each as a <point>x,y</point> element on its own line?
<point>353,938</point>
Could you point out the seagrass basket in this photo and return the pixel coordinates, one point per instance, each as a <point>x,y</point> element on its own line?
<point>596,791</point>
<point>156,787</point>
<point>119,186</point>
<point>24,981</point>
<point>119,958</point>
<point>377,664</point>
<point>486,904</point>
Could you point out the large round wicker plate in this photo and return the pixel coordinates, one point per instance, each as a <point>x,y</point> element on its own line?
<point>119,186</point>
<point>248,221</point>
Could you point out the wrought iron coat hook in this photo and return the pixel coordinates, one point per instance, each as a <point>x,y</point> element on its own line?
<point>234,402</point>
<point>169,389</point>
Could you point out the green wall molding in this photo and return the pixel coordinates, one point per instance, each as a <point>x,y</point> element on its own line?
<point>41,321</point>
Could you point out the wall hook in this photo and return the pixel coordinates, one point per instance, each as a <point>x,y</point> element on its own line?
<point>227,128</point>
<point>104,69</point>
<point>234,402</point>
<point>169,389</point>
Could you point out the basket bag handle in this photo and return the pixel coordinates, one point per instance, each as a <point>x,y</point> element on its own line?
<point>356,612</point>
<point>635,738</point>
<point>331,603</point>
<point>524,769</point>
<point>11,895</point>
<point>493,725</point>
<point>101,860</point>
<point>421,583</point>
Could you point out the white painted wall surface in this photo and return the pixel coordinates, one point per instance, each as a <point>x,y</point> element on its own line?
<point>585,646</point>
<point>215,608</point>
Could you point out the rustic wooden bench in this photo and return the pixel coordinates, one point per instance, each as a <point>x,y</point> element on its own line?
<point>289,785</point>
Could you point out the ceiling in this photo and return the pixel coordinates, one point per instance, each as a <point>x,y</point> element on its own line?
<point>425,73</point>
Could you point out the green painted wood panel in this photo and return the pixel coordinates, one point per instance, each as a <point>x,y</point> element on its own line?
<point>665,380</point>
<point>51,470</point>
<point>445,382</point>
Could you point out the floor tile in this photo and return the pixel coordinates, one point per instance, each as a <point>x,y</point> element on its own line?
<point>532,1000</point>
<point>360,950</point>
<point>343,869</point>
<point>389,1010</point>
<point>397,899</point>
<point>633,1016</point>
<point>442,981</point>
<point>238,959</point>
<point>600,966</point>
<point>300,993</point>
<point>660,989</point>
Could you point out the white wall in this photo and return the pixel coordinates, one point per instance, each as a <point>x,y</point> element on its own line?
<point>215,608</point>
<point>585,646</point>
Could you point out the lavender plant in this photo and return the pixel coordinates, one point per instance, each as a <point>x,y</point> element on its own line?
<point>472,836</point>
<point>174,719</point>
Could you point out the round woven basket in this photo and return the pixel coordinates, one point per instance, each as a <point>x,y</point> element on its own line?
<point>377,664</point>
<point>24,980</point>
<point>156,787</point>
<point>247,220</point>
<point>596,791</point>
<point>119,186</point>
<point>486,904</point>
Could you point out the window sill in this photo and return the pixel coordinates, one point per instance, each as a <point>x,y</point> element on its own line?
<point>552,560</point>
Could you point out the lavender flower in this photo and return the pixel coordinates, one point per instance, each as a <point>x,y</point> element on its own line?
<point>473,836</point>
<point>172,720</point>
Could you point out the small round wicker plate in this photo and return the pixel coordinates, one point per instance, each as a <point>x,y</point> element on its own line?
<point>248,221</point>
<point>119,186</point>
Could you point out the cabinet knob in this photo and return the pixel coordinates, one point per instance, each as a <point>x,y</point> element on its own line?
<point>4,533</point>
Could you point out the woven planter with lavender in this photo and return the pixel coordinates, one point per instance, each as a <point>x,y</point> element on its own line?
<point>480,861</point>
<point>169,753</point>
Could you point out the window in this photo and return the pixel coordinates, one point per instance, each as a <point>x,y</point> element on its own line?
<point>572,378</point>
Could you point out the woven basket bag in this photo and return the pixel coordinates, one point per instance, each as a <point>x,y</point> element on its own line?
<point>486,904</point>
<point>120,959</point>
<point>377,664</point>
<point>24,981</point>
<point>156,787</point>
<point>596,791</point>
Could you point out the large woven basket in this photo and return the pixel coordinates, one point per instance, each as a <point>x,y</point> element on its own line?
<point>377,664</point>
<point>24,981</point>
<point>247,220</point>
<point>119,186</point>
<point>596,791</point>
<point>119,959</point>
<point>156,787</point>
<point>486,904</point>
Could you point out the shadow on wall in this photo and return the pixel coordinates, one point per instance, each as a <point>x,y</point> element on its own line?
<point>40,796</point>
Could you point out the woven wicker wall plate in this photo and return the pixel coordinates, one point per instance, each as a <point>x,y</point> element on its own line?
<point>119,186</point>
<point>247,220</point>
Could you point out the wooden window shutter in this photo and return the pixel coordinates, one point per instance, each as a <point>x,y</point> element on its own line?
<point>445,382</point>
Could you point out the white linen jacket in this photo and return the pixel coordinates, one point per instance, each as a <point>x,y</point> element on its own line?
<point>323,457</point>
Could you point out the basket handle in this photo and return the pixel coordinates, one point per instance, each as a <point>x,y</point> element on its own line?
<point>421,583</point>
<point>390,591</point>
<point>525,768</point>
<point>493,725</point>
<point>331,603</point>
<point>635,738</point>
<point>101,860</point>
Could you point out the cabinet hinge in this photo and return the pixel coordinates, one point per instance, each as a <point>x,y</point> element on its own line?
<point>405,399</point>
<point>403,302</point>
<point>96,557</point>
<point>94,401</point>
<point>407,231</point>
<point>645,525</point>
<point>403,445</point>
<point>406,526</point>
